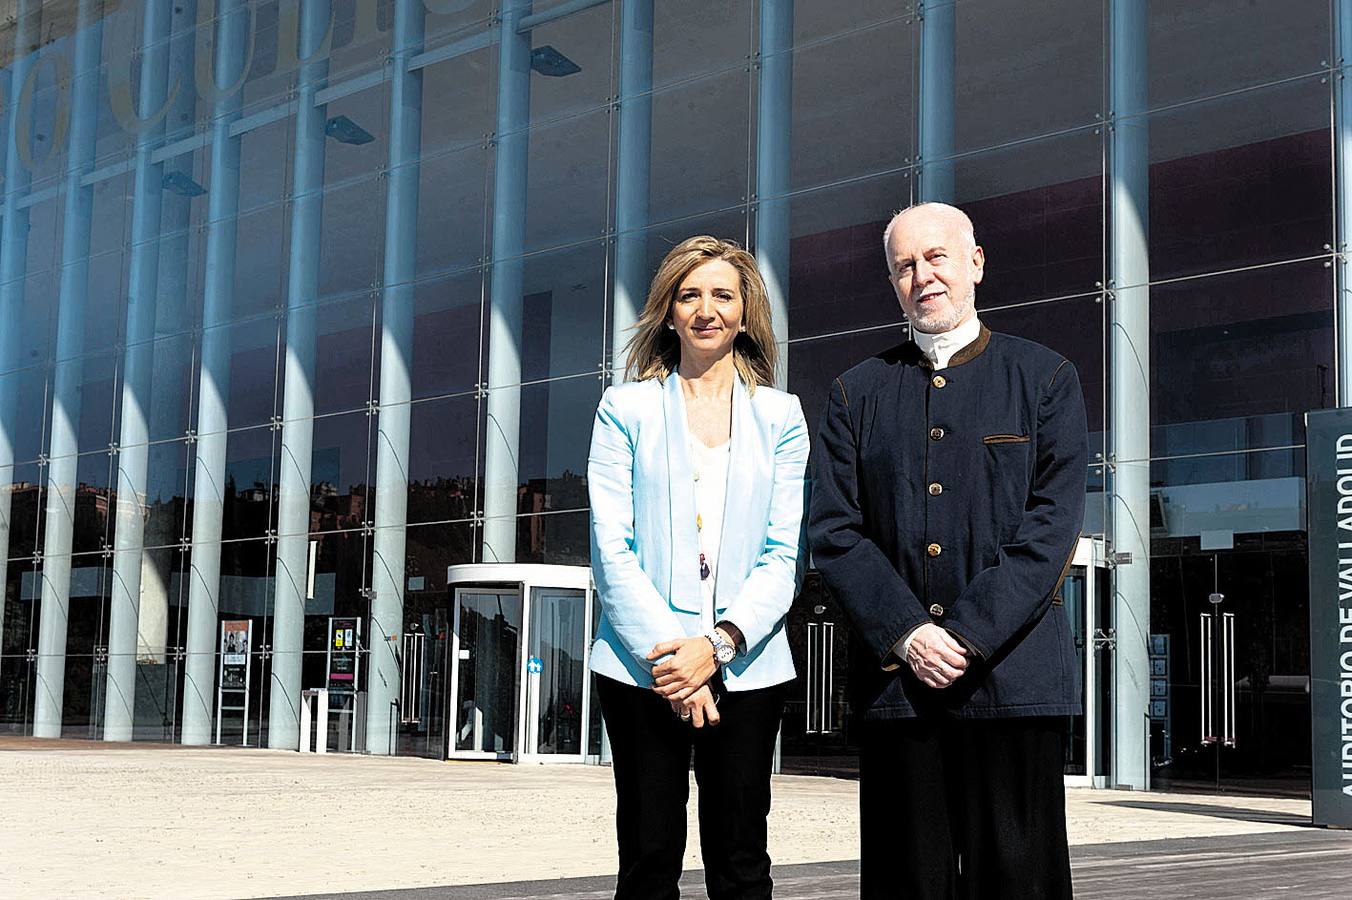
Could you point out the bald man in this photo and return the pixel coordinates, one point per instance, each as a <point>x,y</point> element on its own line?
<point>948,496</point>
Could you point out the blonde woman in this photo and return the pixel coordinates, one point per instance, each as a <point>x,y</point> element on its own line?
<point>696,479</point>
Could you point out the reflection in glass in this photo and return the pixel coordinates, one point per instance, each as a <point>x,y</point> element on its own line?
<point>1252,353</point>
<point>558,637</point>
<point>488,640</point>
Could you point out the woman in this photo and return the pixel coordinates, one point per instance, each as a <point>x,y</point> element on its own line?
<point>696,478</point>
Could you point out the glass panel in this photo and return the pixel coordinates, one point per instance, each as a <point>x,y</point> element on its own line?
<point>446,16</point>
<point>556,539</point>
<point>1236,360</point>
<point>447,321</point>
<point>358,133</point>
<point>571,62</point>
<point>729,223</point>
<point>351,239</point>
<point>1056,48</point>
<point>1201,49</point>
<point>698,36</point>
<point>19,636</point>
<point>700,146</point>
<point>488,671</point>
<point>458,108</point>
<point>27,429</point>
<point>167,407</point>
<point>442,459</point>
<point>837,272</point>
<point>1038,212</point>
<point>36,322</point>
<point>339,471</point>
<point>1242,180</point>
<point>167,470</point>
<point>553,452</point>
<point>568,172</point>
<point>264,164</point>
<point>250,477</point>
<point>343,353</point>
<point>452,211</point>
<point>246,592</point>
<point>814,365</point>
<point>23,488</point>
<point>86,644</point>
<point>563,312</point>
<point>95,502</point>
<point>861,85</point>
<point>555,673</point>
<point>254,351</point>
<point>106,309</point>
<point>262,264</point>
<point>111,217</point>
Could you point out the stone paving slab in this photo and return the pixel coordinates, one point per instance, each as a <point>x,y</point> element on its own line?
<point>137,821</point>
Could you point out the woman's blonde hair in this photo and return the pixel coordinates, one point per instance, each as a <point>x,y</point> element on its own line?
<point>654,351</point>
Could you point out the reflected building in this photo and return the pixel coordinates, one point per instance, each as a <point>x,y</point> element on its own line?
<point>303,302</point>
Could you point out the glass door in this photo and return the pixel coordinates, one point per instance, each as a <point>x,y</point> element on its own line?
<point>1230,667</point>
<point>423,663</point>
<point>1086,599</point>
<point>555,678</point>
<point>485,668</point>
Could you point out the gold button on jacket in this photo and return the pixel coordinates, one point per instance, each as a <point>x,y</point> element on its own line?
<point>936,434</point>
<point>938,381</point>
<point>936,610</point>
<point>934,549</point>
<point>936,489</point>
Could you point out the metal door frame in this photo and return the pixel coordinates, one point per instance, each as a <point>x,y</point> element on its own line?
<point>520,579</point>
<point>453,694</point>
<point>1090,558</point>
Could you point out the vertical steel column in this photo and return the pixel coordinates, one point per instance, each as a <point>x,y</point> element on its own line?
<point>396,390</point>
<point>199,676</point>
<point>51,667</point>
<point>503,439</point>
<point>170,360</point>
<point>1129,261</point>
<point>632,168</point>
<point>76,225</point>
<point>774,120</point>
<point>1342,98</point>
<point>938,37</point>
<point>293,494</point>
<point>133,452</point>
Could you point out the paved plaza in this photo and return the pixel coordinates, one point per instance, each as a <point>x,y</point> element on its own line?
<point>91,820</point>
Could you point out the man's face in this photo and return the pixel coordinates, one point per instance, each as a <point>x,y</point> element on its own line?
<point>935,269</point>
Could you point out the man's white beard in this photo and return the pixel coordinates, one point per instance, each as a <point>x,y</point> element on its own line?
<point>938,324</point>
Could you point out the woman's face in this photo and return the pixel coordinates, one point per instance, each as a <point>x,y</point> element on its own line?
<point>707,311</point>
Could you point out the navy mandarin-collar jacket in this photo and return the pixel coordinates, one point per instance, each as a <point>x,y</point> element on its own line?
<point>956,497</point>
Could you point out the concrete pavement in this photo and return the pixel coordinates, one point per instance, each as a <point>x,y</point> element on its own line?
<point>91,820</point>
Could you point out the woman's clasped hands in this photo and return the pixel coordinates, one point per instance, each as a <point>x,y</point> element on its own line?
<point>682,679</point>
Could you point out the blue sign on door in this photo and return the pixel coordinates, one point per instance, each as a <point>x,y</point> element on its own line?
<point>535,665</point>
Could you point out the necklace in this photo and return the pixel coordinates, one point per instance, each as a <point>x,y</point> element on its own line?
<point>704,570</point>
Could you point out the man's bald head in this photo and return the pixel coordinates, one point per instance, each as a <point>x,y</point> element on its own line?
<point>934,265</point>
<point>928,208</point>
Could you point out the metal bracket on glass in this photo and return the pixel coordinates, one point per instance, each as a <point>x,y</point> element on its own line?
<point>1105,639</point>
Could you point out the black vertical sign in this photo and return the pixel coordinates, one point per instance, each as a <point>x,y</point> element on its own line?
<point>1328,504</point>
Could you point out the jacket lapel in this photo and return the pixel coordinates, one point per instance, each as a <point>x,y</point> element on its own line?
<point>684,590</point>
<point>737,491</point>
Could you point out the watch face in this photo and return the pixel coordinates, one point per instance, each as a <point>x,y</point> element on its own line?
<point>726,654</point>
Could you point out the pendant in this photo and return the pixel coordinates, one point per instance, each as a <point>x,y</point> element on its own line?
<point>703,567</point>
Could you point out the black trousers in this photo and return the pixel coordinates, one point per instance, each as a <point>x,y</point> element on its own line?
<point>961,808</point>
<point>650,752</point>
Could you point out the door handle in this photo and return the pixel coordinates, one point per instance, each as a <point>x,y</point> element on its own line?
<point>409,686</point>
<point>1207,683</point>
<point>809,683</point>
<point>829,676</point>
<point>1229,708</point>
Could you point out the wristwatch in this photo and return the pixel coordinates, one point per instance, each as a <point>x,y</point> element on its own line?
<point>723,651</point>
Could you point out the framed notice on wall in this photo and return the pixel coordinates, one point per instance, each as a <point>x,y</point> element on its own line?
<point>232,681</point>
<point>344,647</point>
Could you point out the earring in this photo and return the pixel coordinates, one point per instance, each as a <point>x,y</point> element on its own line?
<point>671,326</point>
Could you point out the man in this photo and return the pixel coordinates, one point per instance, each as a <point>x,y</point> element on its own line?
<point>948,496</point>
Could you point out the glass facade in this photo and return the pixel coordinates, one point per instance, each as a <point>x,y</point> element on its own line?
<point>304,301</point>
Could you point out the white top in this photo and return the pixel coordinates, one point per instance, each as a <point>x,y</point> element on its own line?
<point>941,347</point>
<point>710,465</point>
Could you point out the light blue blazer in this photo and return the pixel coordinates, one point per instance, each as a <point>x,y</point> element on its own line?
<point>645,546</point>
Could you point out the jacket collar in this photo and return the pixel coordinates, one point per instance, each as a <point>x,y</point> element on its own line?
<point>965,355</point>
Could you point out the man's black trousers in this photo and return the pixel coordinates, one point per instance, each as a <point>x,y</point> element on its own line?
<point>963,808</point>
<point>650,753</point>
